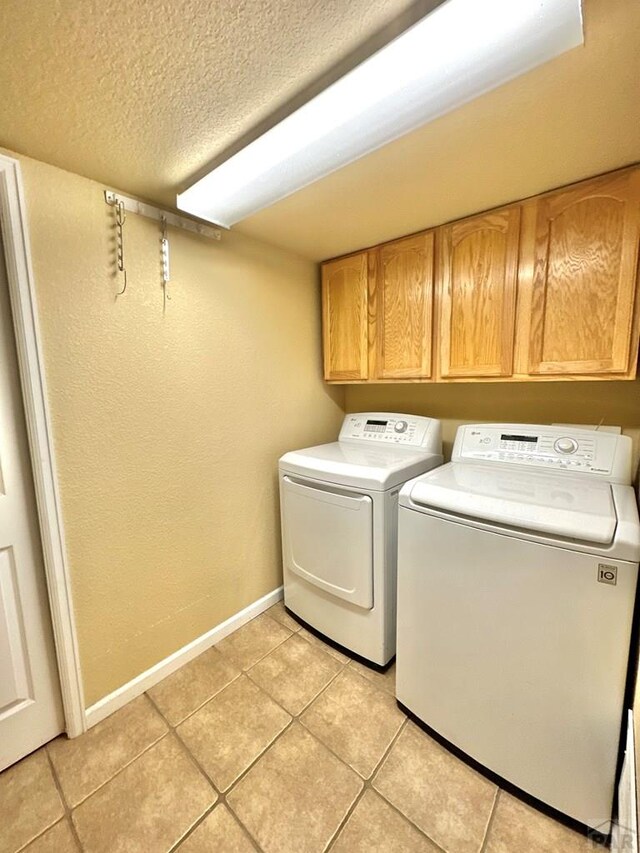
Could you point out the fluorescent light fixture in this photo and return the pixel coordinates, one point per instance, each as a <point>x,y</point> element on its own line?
<point>459,51</point>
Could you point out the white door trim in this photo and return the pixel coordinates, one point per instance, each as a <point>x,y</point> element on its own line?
<point>15,236</point>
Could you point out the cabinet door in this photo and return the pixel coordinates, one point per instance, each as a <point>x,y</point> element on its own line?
<point>345,321</point>
<point>584,259</point>
<point>478,270</point>
<point>403,312</point>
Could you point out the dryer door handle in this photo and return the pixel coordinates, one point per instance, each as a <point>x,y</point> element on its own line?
<point>341,499</point>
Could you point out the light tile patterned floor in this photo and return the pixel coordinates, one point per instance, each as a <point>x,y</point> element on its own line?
<point>270,741</point>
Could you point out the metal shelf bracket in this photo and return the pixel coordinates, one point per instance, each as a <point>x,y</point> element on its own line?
<point>132,205</point>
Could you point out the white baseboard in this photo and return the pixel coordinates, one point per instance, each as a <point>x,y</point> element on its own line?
<point>113,701</point>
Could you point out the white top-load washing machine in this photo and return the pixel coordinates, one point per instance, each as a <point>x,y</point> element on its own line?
<point>339,509</point>
<point>517,573</point>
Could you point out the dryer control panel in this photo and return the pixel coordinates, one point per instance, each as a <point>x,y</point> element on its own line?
<point>387,428</point>
<point>551,448</point>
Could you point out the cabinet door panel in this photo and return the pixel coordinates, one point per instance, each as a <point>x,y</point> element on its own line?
<point>344,308</point>
<point>584,277</point>
<point>478,278</point>
<point>404,308</point>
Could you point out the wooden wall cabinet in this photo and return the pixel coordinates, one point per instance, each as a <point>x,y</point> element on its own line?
<point>345,301</point>
<point>477,282</point>
<point>401,327</point>
<point>545,289</point>
<point>580,246</point>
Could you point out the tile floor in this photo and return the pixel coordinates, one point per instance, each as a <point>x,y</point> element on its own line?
<point>269,741</point>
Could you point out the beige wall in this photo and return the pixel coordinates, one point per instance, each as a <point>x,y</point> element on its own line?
<point>618,403</point>
<point>168,427</point>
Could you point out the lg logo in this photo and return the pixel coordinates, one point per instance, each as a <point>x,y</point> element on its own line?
<point>607,574</point>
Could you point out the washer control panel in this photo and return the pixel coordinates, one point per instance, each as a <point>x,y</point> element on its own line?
<point>551,448</point>
<point>386,428</point>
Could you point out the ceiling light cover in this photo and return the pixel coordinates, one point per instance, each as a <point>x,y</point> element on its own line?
<point>461,50</point>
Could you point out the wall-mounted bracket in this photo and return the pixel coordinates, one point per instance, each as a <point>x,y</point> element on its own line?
<point>132,205</point>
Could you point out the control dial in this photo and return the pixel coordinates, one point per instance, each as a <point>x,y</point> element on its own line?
<point>566,445</point>
<point>401,426</point>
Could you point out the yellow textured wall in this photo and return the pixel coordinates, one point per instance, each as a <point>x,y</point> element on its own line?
<point>168,427</point>
<point>617,403</point>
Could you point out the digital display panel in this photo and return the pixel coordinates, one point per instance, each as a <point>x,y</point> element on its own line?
<point>532,439</point>
<point>375,426</point>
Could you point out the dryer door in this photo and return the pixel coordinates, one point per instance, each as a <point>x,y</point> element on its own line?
<point>328,540</point>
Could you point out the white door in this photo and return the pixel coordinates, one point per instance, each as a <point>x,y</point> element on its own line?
<point>30,703</point>
<point>328,539</point>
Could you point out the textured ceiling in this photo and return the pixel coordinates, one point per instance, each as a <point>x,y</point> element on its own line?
<point>142,96</point>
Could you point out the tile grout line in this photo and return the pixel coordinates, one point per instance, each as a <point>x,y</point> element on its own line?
<point>245,773</point>
<point>67,808</point>
<point>183,748</point>
<point>199,708</point>
<point>263,753</point>
<point>368,779</point>
<point>119,771</point>
<point>24,847</point>
<point>487,831</point>
<point>311,701</point>
<point>221,795</point>
<point>354,663</point>
<point>297,716</point>
<point>408,820</point>
<point>205,814</point>
<point>366,786</point>
<point>294,718</point>
<point>344,665</point>
<point>279,624</point>
<point>385,754</point>
<point>229,657</point>
<point>275,618</point>
<point>345,819</point>
<point>249,767</point>
<point>235,817</point>
<point>404,726</point>
<point>325,647</point>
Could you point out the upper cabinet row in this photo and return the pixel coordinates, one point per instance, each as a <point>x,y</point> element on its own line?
<point>542,289</point>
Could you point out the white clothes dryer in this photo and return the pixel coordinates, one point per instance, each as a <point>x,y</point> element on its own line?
<point>517,574</point>
<point>339,510</point>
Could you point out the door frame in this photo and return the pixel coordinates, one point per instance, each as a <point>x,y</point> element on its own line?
<point>22,296</point>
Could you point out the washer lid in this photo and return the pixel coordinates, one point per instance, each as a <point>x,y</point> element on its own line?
<point>574,508</point>
<point>374,468</point>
